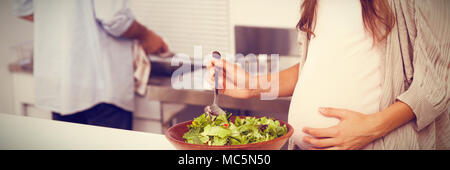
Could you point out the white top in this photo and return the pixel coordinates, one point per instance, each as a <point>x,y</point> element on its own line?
<point>342,70</point>
<point>20,132</point>
<point>78,59</point>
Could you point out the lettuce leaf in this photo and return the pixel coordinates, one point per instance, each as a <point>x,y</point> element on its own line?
<point>218,130</point>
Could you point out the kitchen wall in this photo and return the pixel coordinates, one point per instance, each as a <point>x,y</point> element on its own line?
<point>211,23</point>
<point>265,13</point>
<point>12,32</point>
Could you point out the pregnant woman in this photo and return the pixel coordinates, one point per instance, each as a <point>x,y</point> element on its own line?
<point>372,75</point>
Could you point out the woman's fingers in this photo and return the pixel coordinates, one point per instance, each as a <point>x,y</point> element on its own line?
<point>333,148</point>
<point>211,74</point>
<point>209,65</point>
<point>228,68</point>
<point>322,132</point>
<point>322,142</point>
<point>333,112</point>
<point>232,78</point>
<point>221,83</point>
<point>210,81</point>
<point>220,67</point>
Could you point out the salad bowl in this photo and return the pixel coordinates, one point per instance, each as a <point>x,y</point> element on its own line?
<point>175,135</point>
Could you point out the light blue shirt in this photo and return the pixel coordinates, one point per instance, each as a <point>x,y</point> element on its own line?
<point>79,59</point>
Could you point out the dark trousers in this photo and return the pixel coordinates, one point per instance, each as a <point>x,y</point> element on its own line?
<point>103,114</point>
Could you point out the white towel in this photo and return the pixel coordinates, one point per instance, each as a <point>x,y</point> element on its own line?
<point>142,68</point>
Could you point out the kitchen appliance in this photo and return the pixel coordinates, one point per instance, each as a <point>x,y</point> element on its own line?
<point>265,40</point>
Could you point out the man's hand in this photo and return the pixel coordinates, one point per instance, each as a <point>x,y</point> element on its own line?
<point>151,43</point>
<point>28,18</point>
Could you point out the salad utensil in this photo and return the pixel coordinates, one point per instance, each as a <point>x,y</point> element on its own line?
<point>214,108</point>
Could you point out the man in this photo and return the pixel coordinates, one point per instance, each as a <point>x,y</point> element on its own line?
<point>83,66</point>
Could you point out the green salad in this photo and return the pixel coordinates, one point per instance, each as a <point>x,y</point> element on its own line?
<point>219,130</point>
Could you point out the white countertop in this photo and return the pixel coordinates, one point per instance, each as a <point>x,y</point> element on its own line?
<point>20,132</point>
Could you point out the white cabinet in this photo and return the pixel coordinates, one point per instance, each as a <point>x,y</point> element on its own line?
<point>24,97</point>
<point>154,116</point>
<point>147,114</point>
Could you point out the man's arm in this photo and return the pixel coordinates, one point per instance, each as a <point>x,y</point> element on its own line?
<point>24,9</point>
<point>118,20</point>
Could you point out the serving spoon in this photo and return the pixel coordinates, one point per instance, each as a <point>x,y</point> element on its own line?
<point>214,108</point>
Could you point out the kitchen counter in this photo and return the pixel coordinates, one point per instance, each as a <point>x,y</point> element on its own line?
<point>20,132</point>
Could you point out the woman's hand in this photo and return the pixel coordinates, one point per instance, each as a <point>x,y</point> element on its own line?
<point>237,80</point>
<point>233,81</point>
<point>354,131</point>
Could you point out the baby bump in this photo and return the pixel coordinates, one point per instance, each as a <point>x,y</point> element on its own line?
<point>307,117</point>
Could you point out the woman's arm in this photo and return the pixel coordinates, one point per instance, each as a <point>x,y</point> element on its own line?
<point>233,74</point>
<point>393,117</point>
<point>429,92</point>
<point>287,79</point>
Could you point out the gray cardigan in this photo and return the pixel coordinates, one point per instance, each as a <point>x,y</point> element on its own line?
<point>416,68</point>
